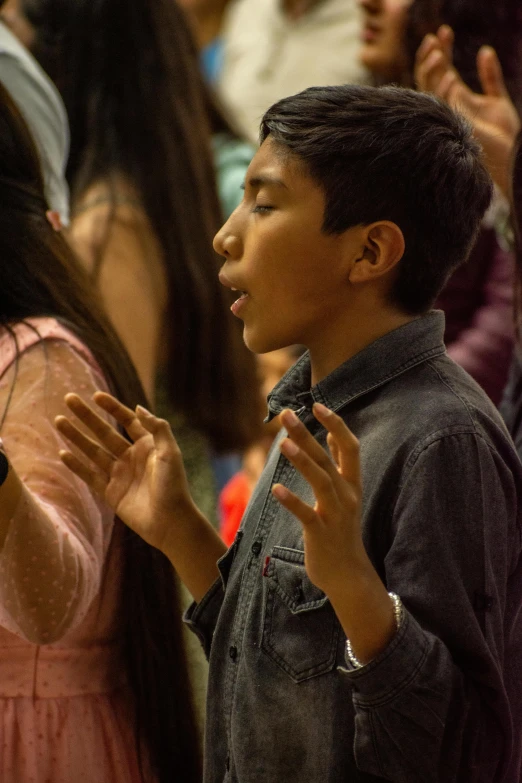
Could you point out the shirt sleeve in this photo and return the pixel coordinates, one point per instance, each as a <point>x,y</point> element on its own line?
<point>433,706</point>
<point>202,618</point>
<point>52,559</point>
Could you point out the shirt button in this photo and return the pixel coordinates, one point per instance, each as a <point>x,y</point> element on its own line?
<point>256,547</point>
<point>233,652</point>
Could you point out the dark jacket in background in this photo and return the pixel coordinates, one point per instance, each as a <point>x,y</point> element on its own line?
<point>478,303</point>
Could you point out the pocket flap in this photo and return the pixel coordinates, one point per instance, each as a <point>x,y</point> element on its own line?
<point>287,575</point>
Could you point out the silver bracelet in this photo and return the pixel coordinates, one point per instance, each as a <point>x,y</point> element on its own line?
<point>398,611</point>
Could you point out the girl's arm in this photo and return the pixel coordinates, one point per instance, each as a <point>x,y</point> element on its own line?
<point>54,535</point>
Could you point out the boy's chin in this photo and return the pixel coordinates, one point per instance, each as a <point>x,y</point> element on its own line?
<point>258,343</point>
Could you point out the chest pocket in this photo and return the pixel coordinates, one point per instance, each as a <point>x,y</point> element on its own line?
<point>300,629</point>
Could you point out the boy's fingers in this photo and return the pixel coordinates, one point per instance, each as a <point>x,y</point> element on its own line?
<point>92,478</point>
<point>321,482</point>
<point>164,440</point>
<point>346,442</point>
<point>304,513</point>
<point>123,415</point>
<point>90,448</point>
<point>305,440</point>
<point>334,448</point>
<point>105,432</point>
<point>490,73</point>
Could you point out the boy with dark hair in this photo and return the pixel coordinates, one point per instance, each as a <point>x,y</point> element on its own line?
<point>353,636</point>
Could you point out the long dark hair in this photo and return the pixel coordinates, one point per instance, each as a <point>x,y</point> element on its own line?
<point>496,23</point>
<point>40,277</point>
<point>129,76</point>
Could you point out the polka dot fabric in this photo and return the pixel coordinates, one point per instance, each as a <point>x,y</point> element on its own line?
<point>65,707</point>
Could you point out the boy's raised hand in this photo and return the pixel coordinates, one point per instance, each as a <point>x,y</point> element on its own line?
<point>492,114</point>
<point>332,532</point>
<point>335,558</point>
<point>143,480</point>
<point>145,483</point>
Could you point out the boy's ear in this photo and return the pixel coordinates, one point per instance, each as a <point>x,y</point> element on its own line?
<point>382,247</point>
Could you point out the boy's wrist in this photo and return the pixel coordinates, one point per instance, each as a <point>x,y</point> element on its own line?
<point>182,525</point>
<point>365,610</point>
<point>398,612</point>
<point>357,573</point>
<point>194,547</point>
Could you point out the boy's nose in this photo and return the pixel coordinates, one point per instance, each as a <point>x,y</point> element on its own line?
<point>226,243</point>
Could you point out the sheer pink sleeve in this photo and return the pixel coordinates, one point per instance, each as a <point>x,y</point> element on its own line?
<point>52,560</point>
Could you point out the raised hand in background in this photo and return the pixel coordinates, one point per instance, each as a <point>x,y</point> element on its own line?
<point>494,117</point>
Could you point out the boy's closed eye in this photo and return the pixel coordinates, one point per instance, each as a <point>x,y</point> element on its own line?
<point>262,208</point>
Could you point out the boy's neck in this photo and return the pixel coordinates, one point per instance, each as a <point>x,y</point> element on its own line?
<point>326,357</point>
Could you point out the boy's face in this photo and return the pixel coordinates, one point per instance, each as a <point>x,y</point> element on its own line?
<point>292,274</point>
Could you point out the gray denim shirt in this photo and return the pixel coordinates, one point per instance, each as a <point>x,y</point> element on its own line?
<point>441,523</point>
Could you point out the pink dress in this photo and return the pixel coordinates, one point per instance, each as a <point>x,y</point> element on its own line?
<point>65,709</point>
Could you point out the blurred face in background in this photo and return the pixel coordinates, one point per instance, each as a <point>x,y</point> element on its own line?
<point>383,49</point>
<point>12,14</point>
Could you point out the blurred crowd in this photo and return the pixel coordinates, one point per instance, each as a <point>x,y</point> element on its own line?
<point>126,131</point>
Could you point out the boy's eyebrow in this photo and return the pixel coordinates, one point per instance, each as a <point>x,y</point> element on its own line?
<point>265,179</point>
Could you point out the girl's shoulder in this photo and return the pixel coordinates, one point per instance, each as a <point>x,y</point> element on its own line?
<point>21,336</point>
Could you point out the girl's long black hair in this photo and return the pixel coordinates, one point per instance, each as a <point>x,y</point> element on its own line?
<point>40,277</point>
<point>129,75</point>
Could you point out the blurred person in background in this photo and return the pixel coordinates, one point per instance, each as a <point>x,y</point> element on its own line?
<point>235,495</point>
<point>206,19</point>
<point>93,677</point>
<point>491,111</point>
<point>231,151</point>
<point>42,108</point>
<point>145,208</point>
<point>275,48</point>
<point>511,407</point>
<point>478,298</point>
<point>144,212</point>
<point>497,125</point>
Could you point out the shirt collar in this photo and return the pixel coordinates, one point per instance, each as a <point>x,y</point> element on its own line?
<point>382,360</point>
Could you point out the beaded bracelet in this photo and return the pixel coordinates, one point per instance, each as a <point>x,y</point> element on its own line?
<point>398,612</point>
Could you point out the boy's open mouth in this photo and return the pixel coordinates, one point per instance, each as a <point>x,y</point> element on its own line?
<point>243,294</point>
<point>237,306</point>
